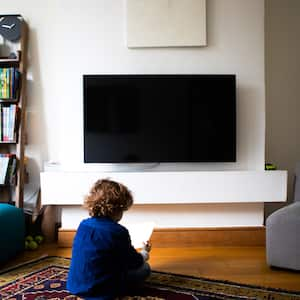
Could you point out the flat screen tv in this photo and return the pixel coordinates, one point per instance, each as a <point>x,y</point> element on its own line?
<point>159,118</point>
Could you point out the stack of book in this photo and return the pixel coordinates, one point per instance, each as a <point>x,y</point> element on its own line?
<point>8,116</point>
<point>8,166</point>
<point>9,83</point>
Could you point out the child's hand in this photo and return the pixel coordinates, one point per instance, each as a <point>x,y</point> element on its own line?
<point>145,250</point>
<point>147,246</point>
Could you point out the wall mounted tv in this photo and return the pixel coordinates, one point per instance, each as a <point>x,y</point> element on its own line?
<point>159,118</point>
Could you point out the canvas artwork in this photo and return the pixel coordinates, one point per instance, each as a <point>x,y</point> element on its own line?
<point>166,23</point>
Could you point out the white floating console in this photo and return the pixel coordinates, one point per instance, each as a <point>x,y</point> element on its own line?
<point>69,188</point>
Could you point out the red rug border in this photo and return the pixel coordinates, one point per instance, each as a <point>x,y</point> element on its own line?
<point>269,289</point>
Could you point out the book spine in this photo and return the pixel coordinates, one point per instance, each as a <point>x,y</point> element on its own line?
<point>10,169</point>
<point>9,127</point>
<point>1,83</point>
<point>13,83</point>
<point>11,71</point>
<point>17,83</point>
<point>13,109</point>
<point>0,123</point>
<point>5,84</point>
<point>9,83</point>
<point>4,160</point>
<point>5,123</point>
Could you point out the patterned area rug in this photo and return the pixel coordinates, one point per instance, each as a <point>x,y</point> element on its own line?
<point>46,279</point>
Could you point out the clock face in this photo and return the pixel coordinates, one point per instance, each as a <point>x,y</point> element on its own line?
<point>10,27</point>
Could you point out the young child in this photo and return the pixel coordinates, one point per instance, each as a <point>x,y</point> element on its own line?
<point>104,264</point>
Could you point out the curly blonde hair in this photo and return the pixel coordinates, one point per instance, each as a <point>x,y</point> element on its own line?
<point>107,198</point>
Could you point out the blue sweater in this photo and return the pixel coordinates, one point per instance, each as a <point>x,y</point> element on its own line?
<point>101,256</point>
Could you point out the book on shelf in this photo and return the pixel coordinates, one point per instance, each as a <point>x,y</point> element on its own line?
<point>0,123</point>
<point>11,170</point>
<point>8,166</point>
<point>8,118</point>
<point>4,160</point>
<point>9,83</point>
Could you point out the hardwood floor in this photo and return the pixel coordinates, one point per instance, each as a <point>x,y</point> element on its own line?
<point>240,264</point>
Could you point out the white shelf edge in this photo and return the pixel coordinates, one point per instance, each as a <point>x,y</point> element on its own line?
<point>69,188</point>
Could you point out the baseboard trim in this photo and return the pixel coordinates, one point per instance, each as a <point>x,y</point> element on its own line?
<point>193,237</point>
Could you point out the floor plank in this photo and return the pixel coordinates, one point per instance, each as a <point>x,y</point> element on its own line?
<point>239,264</point>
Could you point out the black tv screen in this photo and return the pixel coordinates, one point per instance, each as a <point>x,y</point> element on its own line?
<point>159,118</point>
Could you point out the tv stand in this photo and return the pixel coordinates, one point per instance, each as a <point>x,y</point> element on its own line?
<point>177,187</point>
<point>173,199</point>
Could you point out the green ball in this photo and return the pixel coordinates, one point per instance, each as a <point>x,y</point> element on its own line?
<point>26,245</point>
<point>28,238</point>
<point>39,239</point>
<point>33,245</point>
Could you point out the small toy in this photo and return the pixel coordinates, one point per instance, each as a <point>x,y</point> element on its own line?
<point>33,242</point>
<point>270,167</point>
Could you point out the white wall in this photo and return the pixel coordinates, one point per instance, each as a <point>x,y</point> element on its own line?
<point>96,44</point>
<point>69,39</point>
<point>282,87</point>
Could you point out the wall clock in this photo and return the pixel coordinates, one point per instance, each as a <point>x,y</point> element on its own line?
<point>10,27</point>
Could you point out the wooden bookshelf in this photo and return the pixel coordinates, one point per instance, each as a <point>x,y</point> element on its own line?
<point>8,142</point>
<point>9,61</point>
<point>15,192</point>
